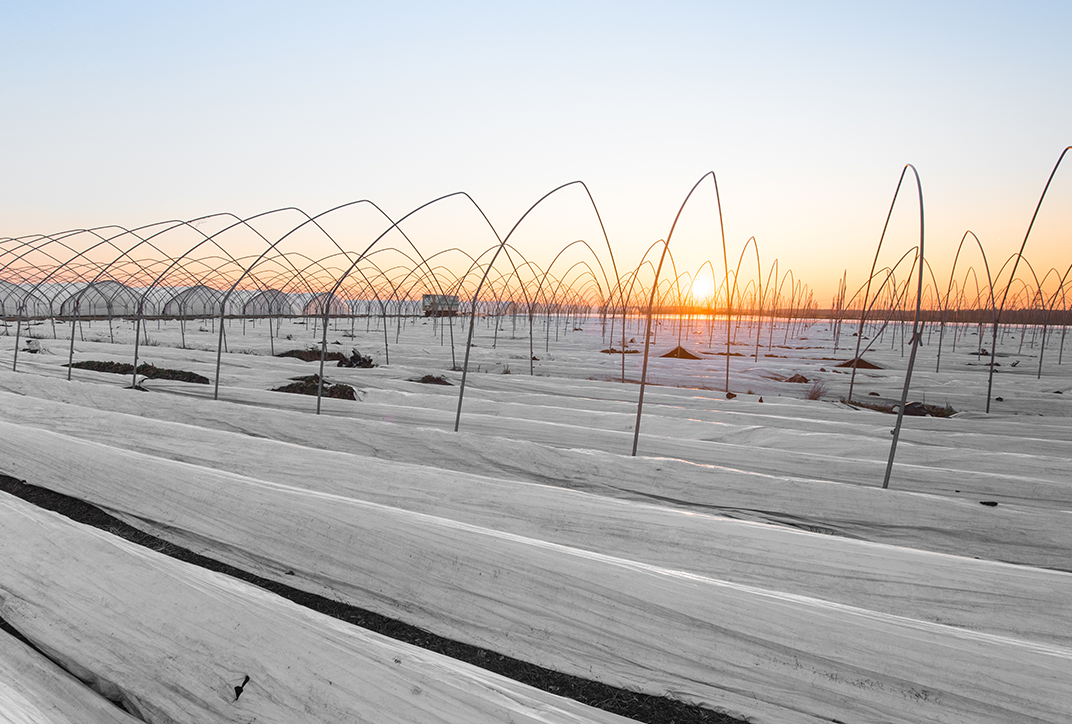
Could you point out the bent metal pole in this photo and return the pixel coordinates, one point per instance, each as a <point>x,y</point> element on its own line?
<point>916,333</point>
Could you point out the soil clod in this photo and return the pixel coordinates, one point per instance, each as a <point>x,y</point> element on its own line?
<point>356,359</point>
<point>309,385</point>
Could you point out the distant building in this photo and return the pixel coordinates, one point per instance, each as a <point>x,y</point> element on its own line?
<point>439,305</point>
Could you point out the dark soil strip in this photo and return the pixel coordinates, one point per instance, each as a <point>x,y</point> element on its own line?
<point>5,626</point>
<point>145,370</point>
<point>159,373</point>
<point>433,380</point>
<point>8,628</point>
<point>309,386</point>
<point>115,368</point>
<point>640,707</point>
<point>312,355</point>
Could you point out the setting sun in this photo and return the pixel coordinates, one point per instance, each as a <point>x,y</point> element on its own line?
<point>702,289</point>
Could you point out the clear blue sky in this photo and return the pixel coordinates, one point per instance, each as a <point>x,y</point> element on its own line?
<point>130,112</point>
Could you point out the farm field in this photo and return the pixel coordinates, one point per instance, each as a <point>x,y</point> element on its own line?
<point>746,560</point>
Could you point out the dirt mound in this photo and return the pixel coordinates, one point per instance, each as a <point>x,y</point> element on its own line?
<point>859,363</point>
<point>918,409</point>
<point>116,368</point>
<point>797,378</point>
<point>433,380</point>
<point>612,350</point>
<point>680,352</point>
<point>159,373</point>
<point>312,355</point>
<point>308,386</point>
<point>144,369</point>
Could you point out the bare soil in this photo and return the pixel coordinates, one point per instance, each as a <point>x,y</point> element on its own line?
<point>309,386</point>
<point>312,355</point>
<point>145,369</point>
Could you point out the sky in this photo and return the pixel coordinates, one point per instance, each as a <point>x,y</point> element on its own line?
<point>130,112</point>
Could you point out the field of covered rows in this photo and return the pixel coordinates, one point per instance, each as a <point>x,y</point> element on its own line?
<point>745,562</point>
<point>245,477</point>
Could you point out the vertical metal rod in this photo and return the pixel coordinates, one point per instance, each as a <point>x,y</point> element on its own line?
<point>18,334</point>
